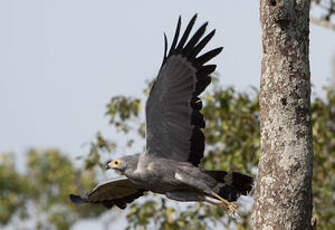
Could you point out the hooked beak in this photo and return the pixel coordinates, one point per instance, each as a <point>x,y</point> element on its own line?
<point>107,166</point>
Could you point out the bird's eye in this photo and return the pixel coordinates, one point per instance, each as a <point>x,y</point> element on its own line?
<point>116,162</point>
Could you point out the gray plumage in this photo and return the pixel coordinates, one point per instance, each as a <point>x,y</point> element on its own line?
<point>117,192</point>
<point>174,139</point>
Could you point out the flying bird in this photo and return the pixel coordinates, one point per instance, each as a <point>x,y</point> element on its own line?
<point>174,139</point>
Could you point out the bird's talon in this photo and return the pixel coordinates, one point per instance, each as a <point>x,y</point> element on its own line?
<point>231,209</point>
<point>225,208</point>
<point>232,206</point>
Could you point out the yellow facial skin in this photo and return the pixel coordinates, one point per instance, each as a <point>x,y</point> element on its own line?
<point>115,163</point>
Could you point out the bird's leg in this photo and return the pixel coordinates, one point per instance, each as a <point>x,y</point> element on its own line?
<point>219,205</point>
<point>231,205</point>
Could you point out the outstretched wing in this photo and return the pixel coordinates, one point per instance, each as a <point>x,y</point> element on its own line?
<point>173,118</point>
<point>117,192</point>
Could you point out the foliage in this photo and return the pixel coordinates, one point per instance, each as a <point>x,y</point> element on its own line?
<point>327,7</point>
<point>323,114</point>
<point>323,12</point>
<point>41,192</point>
<point>232,140</point>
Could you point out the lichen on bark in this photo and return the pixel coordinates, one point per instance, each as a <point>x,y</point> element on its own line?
<point>283,198</point>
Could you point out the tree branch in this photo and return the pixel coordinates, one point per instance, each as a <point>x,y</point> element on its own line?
<point>323,23</point>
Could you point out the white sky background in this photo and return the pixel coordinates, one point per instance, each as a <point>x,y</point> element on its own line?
<point>61,61</point>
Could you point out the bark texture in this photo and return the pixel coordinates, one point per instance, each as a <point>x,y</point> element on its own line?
<point>283,197</point>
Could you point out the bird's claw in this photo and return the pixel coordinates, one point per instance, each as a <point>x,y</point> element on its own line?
<point>231,209</point>
<point>231,206</point>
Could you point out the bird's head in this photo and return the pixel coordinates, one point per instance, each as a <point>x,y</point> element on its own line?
<point>123,163</point>
<point>116,164</point>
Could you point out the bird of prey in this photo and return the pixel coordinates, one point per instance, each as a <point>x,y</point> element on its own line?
<point>174,137</point>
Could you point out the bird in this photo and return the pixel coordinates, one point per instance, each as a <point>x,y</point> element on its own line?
<point>175,142</point>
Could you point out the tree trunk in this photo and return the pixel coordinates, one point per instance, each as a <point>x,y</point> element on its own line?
<point>283,198</point>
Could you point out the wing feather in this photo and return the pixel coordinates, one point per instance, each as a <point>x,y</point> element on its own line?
<point>176,36</point>
<point>186,33</point>
<point>196,37</point>
<point>207,56</point>
<point>173,117</point>
<point>196,50</point>
<point>117,192</point>
<point>165,47</point>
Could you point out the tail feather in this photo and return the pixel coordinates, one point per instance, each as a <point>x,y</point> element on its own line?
<point>242,182</point>
<point>235,184</point>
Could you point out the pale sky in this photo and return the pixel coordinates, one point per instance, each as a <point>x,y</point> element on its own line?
<point>61,61</point>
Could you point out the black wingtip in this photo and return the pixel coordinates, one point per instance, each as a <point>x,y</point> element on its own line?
<point>165,50</point>
<point>195,38</point>
<point>76,199</point>
<point>165,44</point>
<point>186,33</point>
<point>175,38</point>
<point>179,20</point>
<point>193,53</point>
<point>207,56</point>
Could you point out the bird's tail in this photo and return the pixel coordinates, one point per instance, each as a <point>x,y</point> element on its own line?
<point>235,184</point>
